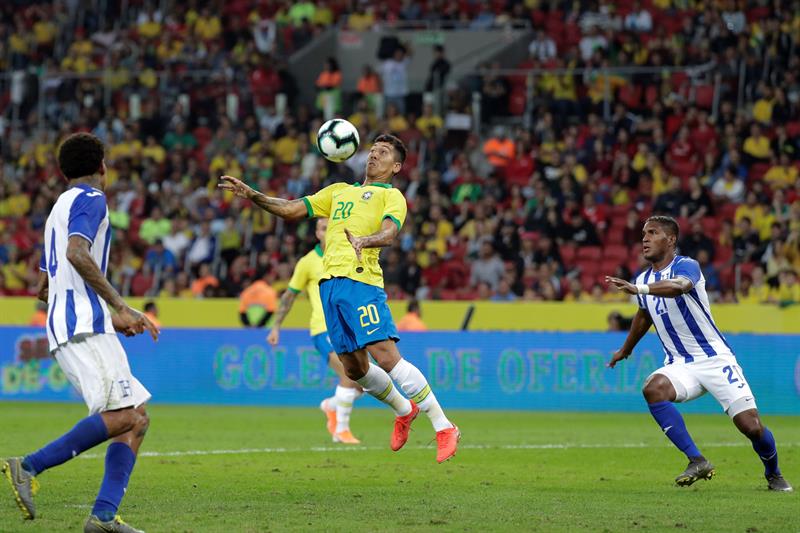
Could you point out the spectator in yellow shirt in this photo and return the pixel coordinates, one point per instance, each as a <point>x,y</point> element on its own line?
<point>15,272</point>
<point>130,147</point>
<point>207,26</point>
<point>44,32</point>
<point>154,151</point>
<point>762,109</point>
<point>429,123</point>
<point>755,290</point>
<point>397,122</point>
<point>16,203</point>
<point>323,15</point>
<point>782,174</point>
<point>757,147</point>
<point>287,147</point>
<point>149,24</point>
<point>788,290</point>
<point>362,19</point>
<point>753,210</point>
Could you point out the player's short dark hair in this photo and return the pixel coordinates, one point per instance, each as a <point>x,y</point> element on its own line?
<point>668,224</point>
<point>400,150</point>
<point>150,307</point>
<point>81,154</point>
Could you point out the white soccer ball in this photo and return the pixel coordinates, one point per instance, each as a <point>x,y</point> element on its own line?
<point>337,140</point>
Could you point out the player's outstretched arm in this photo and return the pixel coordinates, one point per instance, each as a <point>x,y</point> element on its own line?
<point>127,320</point>
<point>384,237</point>
<point>288,209</point>
<point>641,323</point>
<point>667,288</point>
<point>285,305</point>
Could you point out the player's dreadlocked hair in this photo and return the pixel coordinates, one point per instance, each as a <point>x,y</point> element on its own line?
<point>399,148</point>
<point>668,224</point>
<point>80,155</point>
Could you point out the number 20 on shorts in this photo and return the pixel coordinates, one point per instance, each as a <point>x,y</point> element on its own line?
<point>369,315</point>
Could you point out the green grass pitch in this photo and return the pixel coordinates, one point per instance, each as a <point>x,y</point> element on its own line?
<point>249,469</point>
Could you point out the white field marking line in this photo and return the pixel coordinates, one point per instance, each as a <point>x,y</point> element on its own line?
<point>326,449</point>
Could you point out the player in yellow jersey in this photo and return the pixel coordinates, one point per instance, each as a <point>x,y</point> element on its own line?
<point>363,218</point>
<point>306,276</point>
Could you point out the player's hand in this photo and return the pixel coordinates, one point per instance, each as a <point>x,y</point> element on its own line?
<point>622,285</point>
<point>127,322</point>
<point>356,242</point>
<point>274,336</point>
<point>236,186</point>
<point>618,356</point>
<point>149,326</point>
<point>130,322</point>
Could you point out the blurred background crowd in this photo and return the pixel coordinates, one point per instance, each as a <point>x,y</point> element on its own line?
<point>539,200</point>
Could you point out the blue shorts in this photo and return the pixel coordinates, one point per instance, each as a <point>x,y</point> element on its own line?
<point>356,314</point>
<point>323,344</point>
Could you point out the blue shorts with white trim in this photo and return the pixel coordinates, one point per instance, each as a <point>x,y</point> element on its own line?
<point>356,314</point>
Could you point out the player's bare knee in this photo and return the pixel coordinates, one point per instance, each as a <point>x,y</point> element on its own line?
<point>353,367</point>
<point>657,388</point>
<point>142,423</point>
<point>749,424</point>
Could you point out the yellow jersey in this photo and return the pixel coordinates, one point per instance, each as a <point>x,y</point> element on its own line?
<point>306,276</point>
<point>361,209</point>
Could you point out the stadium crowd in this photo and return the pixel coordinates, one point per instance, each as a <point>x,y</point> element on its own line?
<point>538,213</point>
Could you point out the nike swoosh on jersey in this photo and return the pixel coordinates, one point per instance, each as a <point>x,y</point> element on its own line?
<point>370,332</point>
<point>667,429</point>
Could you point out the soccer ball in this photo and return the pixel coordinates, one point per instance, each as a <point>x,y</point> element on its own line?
<point>337,140</point>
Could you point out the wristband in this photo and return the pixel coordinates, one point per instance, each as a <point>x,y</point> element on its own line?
<point>643,288</point>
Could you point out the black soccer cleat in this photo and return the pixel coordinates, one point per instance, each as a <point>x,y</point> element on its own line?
<point>697,469</point>
<point>777,483</point>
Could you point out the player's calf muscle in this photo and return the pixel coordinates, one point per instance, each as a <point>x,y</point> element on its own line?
<point>124,420</point>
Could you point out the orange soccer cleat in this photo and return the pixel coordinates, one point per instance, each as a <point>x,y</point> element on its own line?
<point>345,437</point>
<point>446,443</point>
<point>402,425</point>
<point>331,415</point>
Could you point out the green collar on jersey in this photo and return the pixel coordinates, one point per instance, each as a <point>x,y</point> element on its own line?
<point>318,249</point>
<point>384,185</point>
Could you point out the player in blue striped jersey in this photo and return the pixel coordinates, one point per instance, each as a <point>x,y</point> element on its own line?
<point>672,297</point>
<point>82,334</point>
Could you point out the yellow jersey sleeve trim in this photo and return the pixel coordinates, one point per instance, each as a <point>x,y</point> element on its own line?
<point>309,209</point>
<point>296,291</point>
<point>399,225</point>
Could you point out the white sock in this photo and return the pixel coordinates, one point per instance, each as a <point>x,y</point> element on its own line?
<point>330,403</point>
<point>378,384</point>
<point>344,406</point>
<point>416,387</point>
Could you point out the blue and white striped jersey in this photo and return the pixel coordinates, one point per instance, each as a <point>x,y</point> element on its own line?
<point>73,307</point>
<point>683,324</point>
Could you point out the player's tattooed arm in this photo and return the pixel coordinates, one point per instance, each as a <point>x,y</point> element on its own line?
<point>641,323</point>
<point>43,288</point>
<point>288,209</point>
<point>80,257</point>
<point>287,300</point>
<point>384,237</point>
<point>285,305</point>
<point>127,319</point>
